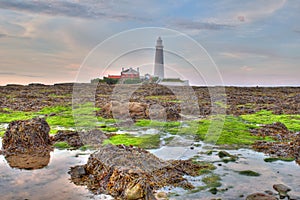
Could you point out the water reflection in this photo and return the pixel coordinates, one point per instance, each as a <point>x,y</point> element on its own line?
<point>28,161</point>
<point>50,181</point>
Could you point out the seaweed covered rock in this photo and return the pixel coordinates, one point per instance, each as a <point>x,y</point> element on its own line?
<point>94,137</point>
<point>27,136</point>
<point>76,139</point>
<point>71,137</point>
<point>131,173</point>
<point>276,130</point>
<point>286,144</point>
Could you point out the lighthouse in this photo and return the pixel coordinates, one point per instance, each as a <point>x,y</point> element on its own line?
<point>159,59</point>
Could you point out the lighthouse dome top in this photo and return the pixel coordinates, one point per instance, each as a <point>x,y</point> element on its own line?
<point>159,42</point>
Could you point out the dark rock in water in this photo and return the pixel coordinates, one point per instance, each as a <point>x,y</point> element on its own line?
<point>71,137</point>
<point>78,172</point>
<point>227,157</point>
<point>223,154</point>
<point>131,173</point>
<point>27,136</point>
<point>260,196</point>
<point>76,139</point>
<point>94,137</point>
<point>28,161</point>
<point>282,190</point>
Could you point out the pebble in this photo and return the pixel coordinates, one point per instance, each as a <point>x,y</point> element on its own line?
<point>260,196</point>
<point>282,190</point>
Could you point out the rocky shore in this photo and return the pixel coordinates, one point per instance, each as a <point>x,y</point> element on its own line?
<point>127,172</point>
<point>239,100</point>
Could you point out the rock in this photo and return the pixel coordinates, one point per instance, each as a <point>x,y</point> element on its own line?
<point>276,130</point>
<point>223,154</point>
<point>27,136</point>
<point>134,110</point>
<point>132,173</point>
<point>94,137</point>
<point>260,196</point>
<point>78,171</point>
<point>227,157</point>
<point>282,190</point>
<point>71,137</point>
<point>76,139</point>
<point>134,191</point>
<point>269,192</point>
<point>161,195</point>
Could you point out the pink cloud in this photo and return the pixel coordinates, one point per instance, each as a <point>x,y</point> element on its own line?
<point>246,68</point>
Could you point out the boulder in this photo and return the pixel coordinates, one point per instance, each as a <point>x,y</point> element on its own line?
<point>94,137</point>
<point>27,136</point>
<point>71,137</point>
<point>124,110</point>
<point>131,173</point>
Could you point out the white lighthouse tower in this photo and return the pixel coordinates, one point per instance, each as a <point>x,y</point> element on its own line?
<point>159,60</point>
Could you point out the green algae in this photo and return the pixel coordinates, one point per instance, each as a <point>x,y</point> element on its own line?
<point>110,129</point>
<point>292,122</point>
<point>2,133</point>
<point>248,173</point>
<point>143,141</point>
<point>273,159</point>
<point>62,145</point>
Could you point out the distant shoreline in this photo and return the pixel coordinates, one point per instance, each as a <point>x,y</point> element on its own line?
<point>226,86</point>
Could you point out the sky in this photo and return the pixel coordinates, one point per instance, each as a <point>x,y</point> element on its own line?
<point>242,42</point>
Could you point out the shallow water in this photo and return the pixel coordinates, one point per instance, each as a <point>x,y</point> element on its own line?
<point>239,186</point>
<point>52,181</point>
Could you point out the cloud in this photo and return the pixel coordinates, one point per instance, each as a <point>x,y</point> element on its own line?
<point>2,35</point>
<point>20,75</point>
<point>246,68</point>
<point>235,12</point>
<point>7,73</point>
<point>89,9</point>
<point>297,30</point>
<point>198,25</point>
<point>245,55</point>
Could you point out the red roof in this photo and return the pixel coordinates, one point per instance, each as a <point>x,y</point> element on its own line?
<point>114,76</point>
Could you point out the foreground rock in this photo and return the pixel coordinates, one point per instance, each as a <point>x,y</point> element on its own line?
<point>131,173</point>
<point>26,144</point>
<point>27,136</point>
